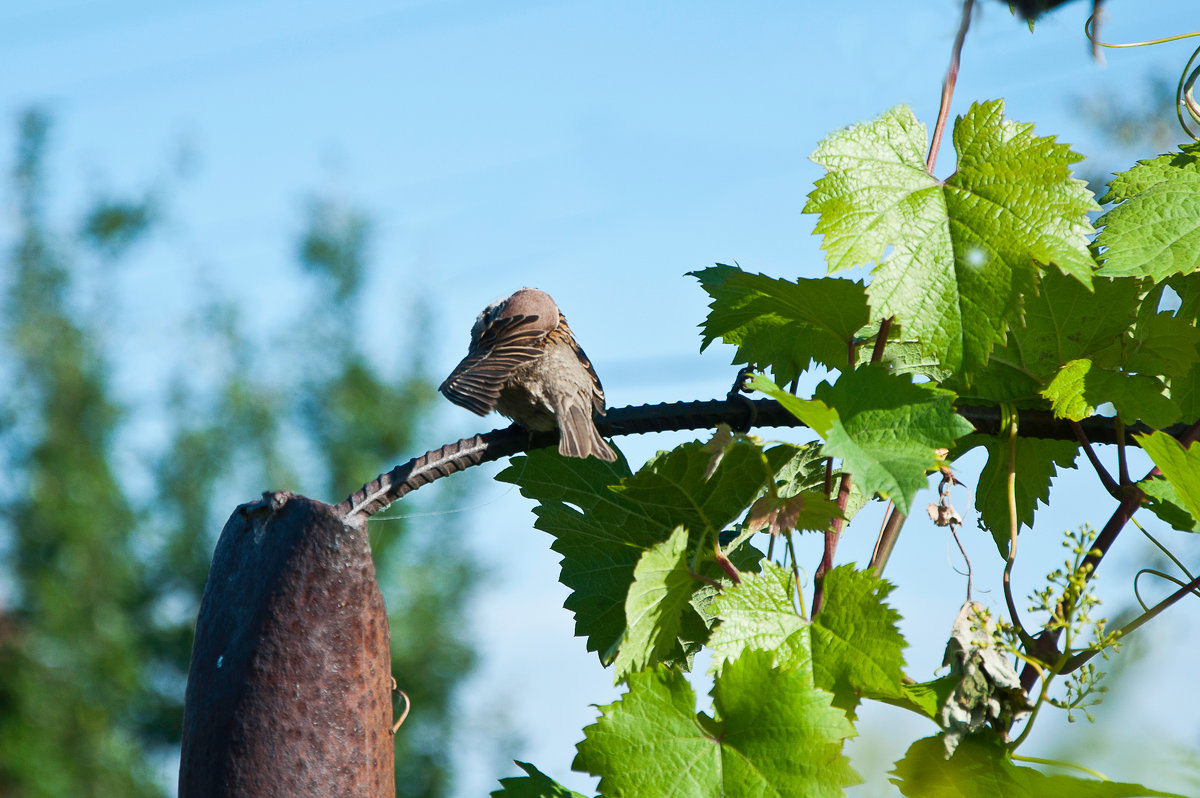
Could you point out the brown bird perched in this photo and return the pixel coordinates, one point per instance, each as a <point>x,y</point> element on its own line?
<point>524,363</point>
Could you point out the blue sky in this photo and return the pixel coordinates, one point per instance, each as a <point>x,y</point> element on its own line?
<point>598,150</point>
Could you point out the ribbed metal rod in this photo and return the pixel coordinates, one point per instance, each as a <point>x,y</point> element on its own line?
<point>738,412</point>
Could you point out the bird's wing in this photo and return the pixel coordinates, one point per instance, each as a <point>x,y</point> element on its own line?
<point>506,345</point>
<point>597,393</point>
<point>597,388</point>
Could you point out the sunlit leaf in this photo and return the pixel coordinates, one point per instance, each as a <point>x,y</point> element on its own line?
<point>964,251</point>
<point>772,734</point>
<point>1155,228</point>
<point>535,784</point>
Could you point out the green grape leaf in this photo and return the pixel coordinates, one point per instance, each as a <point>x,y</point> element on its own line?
<point>875,184</point>
<point>1151,172</point>
<point>924,698</point>
<point>782,324</point>
<point>799,469</point>
<point>602,520</point>
<point>1179,466</point>
<point>681,487</point>
<point>649,737</point>
<point>655,607</point>
<point>1064,322</point>
<point>1164,344</point>
<point>759,614</point>
<point>776,514</point>
<point>964,252</point>
<point>1066,390</point>
<point>773,734</point>
<point>534,785</point>
<point>1163,501</point>
<point>1036,464</point>
<point>889,429</point>
<point>902,354</point>
<point>817,415</point>
<point>1155,228</point>
<point>857,648</point>
<point>696,625</point>
<point>885,428</point>
<point>1185,393</point>
<point>599,535</point>
<point>1187,288</point>
<point>1185,389</point>
<point>784,736</point>
<point>1080,387</point>
<point>981,768</point>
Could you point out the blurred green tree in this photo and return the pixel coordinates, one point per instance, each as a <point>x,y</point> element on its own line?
<point>101,575</point>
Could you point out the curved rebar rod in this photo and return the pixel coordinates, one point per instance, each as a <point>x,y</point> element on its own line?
<point>741,414</point>
<point>479,449</point>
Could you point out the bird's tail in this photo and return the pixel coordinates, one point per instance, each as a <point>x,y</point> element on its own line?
<point>578,436</point>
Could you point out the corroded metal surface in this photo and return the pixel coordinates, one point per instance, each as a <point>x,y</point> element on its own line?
<point>289,690</point>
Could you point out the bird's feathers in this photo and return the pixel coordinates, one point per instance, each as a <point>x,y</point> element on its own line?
<point>525,362</point>
<point>578,436</point>
<point>504,345</point>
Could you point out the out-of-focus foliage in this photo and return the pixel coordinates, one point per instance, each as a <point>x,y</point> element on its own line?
<point>102,573</point>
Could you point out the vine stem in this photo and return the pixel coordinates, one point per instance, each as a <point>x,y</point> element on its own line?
<point>1164,550</point>
<point>1106,479</point>
<point>1037,708</point>
<point>831,541</point>
<point>1065,665</point>
<point>1077,661</point>
<point>948,85</point>
<point>834,533</point>
<point>1045,645</point>
<point>1056,763</point>
<point>795,572</point>
<point>1122,467</point>
<point>894,519</point>
<point>887,540</point>
<point>885,329</point>
<point>1137,594</point>
<point>1182,91</point>
<point>962,550</point>
<point>1089,31</point>
<point>1013,526</point>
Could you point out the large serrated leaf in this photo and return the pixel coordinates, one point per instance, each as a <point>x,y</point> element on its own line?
<point>1163,500</point>
<point>603,519</point>
<point>1064,322</point>
<point>857,648</point>
<point>675,488</point>
<point>772,734</point>
<point>1081,386</point>
<point>1037,462</point>
<point>980,768</point>
<point>759,614</point>
<point>783,325</point>
<point>886,428</point>
<point>890,430</point>
<point>1155,228</point>
<point>535,784</point>
<point>656,605</point>
<point>1179,466</point>
<point>964,252</point>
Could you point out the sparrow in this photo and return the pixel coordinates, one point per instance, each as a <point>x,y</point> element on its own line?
<point>524,363</point>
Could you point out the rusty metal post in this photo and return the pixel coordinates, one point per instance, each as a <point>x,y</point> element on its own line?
<point>289,689</point>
